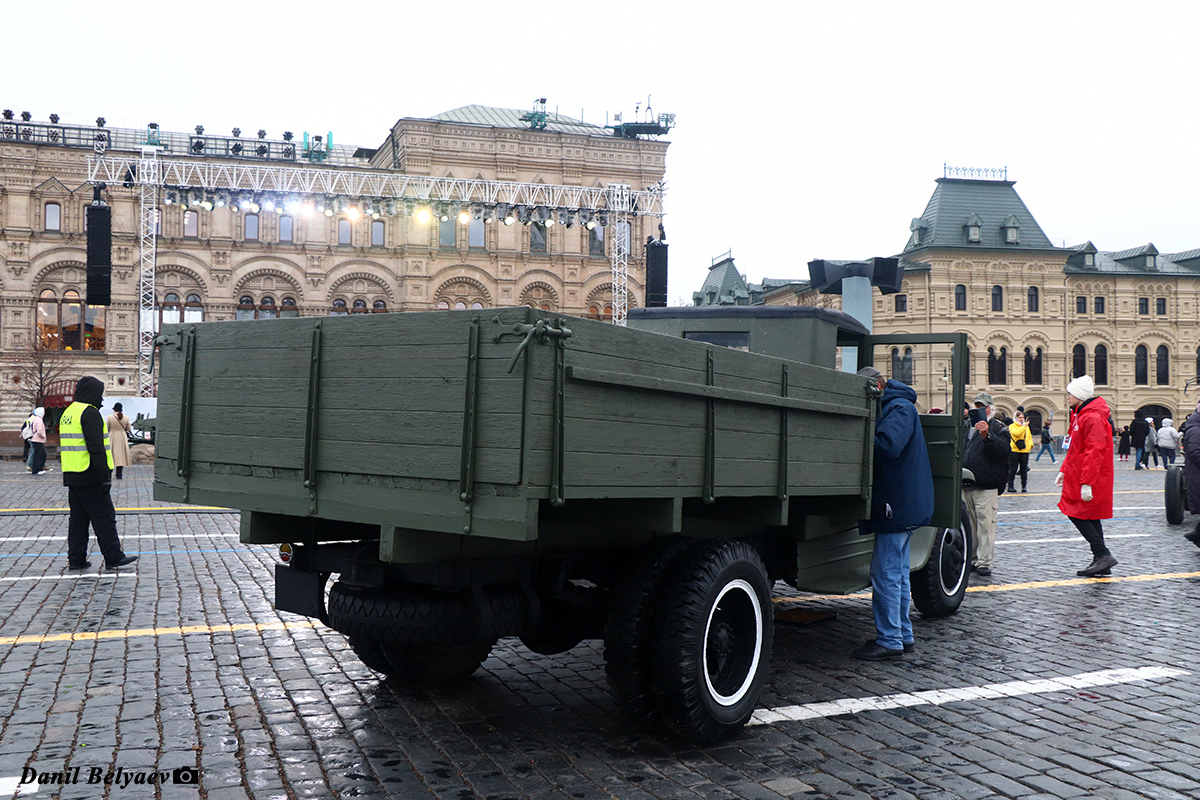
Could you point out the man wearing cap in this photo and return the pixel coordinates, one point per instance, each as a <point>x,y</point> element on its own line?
<point>986,456</point>
<point>1086,474</point>
<point>901,501</point>
<point>87,473</point>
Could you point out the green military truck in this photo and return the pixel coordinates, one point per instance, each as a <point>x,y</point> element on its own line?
<point>473,475</point>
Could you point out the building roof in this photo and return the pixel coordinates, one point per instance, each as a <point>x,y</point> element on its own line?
<point>995,203</point>
<point>511,118</point>
<point>1132,261</point>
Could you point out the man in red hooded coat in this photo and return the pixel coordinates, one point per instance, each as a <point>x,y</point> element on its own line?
<point>1086,475</point>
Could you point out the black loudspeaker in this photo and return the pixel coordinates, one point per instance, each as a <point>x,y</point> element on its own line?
<point>99,255</point>
<point>656,274</point>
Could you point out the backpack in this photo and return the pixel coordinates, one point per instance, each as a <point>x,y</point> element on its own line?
<point>27,430</point>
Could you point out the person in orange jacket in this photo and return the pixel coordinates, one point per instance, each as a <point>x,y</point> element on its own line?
<point>1086,475</point>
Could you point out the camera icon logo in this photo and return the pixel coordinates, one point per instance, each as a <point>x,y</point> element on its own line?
<point>189,776</point>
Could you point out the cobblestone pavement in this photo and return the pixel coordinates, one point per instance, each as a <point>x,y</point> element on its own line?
<point>183,662</point>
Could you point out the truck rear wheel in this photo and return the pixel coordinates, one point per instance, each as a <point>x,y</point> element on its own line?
<point>1174,495</point>
<point>433,664</point>
<point>711,640</point>
<point>627,635</point>
<point>939,587</point>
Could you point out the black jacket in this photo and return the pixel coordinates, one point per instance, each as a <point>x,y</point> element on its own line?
<point>1139,429</point>
<point>91,391</point>
<point>987,456</point>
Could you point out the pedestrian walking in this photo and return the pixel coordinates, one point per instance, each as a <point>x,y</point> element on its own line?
<point>1191,468</point>
<point>37,443</point>
<point>1086,476</point>
<point>1047,444</point>
<point>87,473</point>
<point>1151,445</point>
<point>1022,444</point>
<point>1139,429</point>
<point>119,427</point>
<point>1123,445</point>
<point>986,457</point>
<point>901,501</point>
<point>26,435</point>
<point>1168,439</point>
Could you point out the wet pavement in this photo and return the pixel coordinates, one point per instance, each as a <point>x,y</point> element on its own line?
<point>1043,686</point>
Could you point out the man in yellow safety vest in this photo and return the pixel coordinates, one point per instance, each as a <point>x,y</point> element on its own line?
<point>87,464</point>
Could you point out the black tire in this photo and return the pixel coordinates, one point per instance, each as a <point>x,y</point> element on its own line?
<point>711,640</point>
<point>1174,495</point>
<point>423,616</point>
<point>370,654</point>
<point>627,634</point>
<point>418,663</point>
<point>939,587</point>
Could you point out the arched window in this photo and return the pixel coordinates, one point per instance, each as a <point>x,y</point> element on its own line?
<point>443,305</point>
<point>339,308</point>
<point>54,217</point>
<point>287,308</point>
<point>997,298</point>
<point>448,232</point>
<point>378,307</point>
<point>69,324</point>
<point>1034,419</point>
<point>901,303</point>
<point>475,231</point>
<point>358,307</point>
<point>191,224</point>
<point>171,310</point>
<point>1033,366</point>
<point>1033,301</point>
<point>1141,369</point>
<point>193,310</point>
<point>287,229</point>
<point>998,366</point>
<point>266,308</point>
<point>1162,372</point>
<point>245,309</point>
<point>1100,367</point>
<point>597,311</point>
<point>902,366</point>
<point>251,223</point>
<point>377,233</point>
<point>344,230</point>
<point>1078,361</point>
<point>960,298</point>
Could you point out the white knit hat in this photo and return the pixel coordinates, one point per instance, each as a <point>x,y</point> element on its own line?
<point>1082,387</point>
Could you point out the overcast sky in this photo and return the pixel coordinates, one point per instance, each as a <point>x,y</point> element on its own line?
<point>805,129</point>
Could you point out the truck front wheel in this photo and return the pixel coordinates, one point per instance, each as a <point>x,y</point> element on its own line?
<point>711,640</point>
<point>1175,495</point>
<point>939,587</point>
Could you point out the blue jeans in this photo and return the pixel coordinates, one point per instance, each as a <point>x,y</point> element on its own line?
<point>1046,448</point>
<point>890,591</point>
<point>1137,458</point>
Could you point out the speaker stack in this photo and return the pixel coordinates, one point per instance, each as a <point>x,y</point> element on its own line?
<point>99,255</point>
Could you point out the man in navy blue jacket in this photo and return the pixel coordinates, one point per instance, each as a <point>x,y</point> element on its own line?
<point>901,501</point>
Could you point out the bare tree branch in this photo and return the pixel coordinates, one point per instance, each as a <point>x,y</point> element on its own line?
<point>38,368</point>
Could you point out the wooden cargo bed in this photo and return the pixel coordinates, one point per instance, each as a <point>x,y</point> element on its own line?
<point>479,421</point>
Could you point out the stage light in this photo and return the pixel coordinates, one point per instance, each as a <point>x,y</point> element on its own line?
<point>209,202</point>
<point>198,146</point>
<point>255,208</point>
<point>236,148</point>
<point>549,223</point>
<point>352,214</point>
<point>476,212</point>
<point>424,216</point>
<point>564,217</point>
<point>293,205</point>
<point>463,217</point>
<point>199,130</point>
<point>509,220</point>
<point>389,208</point>
<point>262,134</point>
<point>590,225</point>
<point>245,203</point>
<point>54,119</point>
<point>543,214</point>
<point>604,219</point>
<point>328,211</point>
<point>269,204</point>
<point>237,132</point>
<point>26,116</point>
<point>410,208</point>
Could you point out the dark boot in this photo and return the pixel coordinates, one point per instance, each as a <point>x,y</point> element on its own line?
<point>1100,564</point>
<point>1194,536</point>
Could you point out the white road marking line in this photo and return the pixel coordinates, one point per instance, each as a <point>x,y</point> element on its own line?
<point>853,705</point>
<point>1107,536</point>
<point>10,786</point>
<point>123,537</point>
<point>71,578</point>
<point>1057,511</point>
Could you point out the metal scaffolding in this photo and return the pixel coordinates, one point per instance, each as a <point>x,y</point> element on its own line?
<point>150,172</point>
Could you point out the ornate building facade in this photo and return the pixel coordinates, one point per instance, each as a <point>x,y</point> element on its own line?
<point>1035,315</point>
<point>227,260</point>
